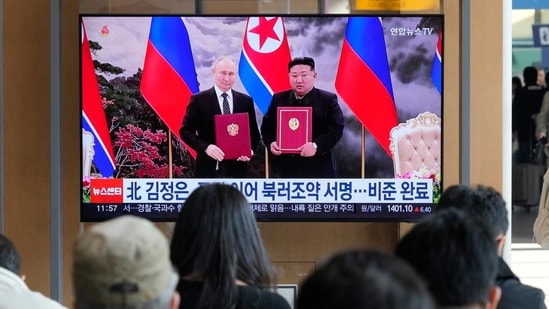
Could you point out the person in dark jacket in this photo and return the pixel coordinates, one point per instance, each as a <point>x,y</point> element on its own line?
<point>526,105</point>
<point>198,128</point>
<point>314,159</point>
<point>488,204</point>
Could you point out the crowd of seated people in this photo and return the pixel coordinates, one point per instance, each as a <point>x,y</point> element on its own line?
<point>216,259</point>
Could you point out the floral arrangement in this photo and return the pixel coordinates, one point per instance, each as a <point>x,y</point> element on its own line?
<point>425,173</point>
<point>86,182</point>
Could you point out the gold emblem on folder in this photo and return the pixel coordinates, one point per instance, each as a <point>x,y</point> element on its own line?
<point>232,129</point>
<point>293,123</point>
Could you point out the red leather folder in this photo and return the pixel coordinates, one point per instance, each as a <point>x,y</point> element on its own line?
<point>232,135</point>
<point>294,127</point>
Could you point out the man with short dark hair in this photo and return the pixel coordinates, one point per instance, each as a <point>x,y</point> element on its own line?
<point>486,203</point>
<point>14,293</point>
<point>358,279</point>
<point>457,257</point>
<point>124,263</point>
<point>314,158</point>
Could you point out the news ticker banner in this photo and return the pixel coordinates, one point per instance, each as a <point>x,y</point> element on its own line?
<point>270,199</point>
<point>397,5</point>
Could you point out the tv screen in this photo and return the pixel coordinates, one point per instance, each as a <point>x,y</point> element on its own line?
<point>381,74</point>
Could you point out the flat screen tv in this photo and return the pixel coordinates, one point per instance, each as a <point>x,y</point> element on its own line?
<point>138,73</point>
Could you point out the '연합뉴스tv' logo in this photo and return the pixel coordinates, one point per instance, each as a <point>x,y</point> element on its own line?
<point>106,190</point>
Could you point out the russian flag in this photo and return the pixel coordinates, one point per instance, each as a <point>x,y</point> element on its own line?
<point>169,76</point>
<point>263,66</point>
<point>436,70</point>
<point>93,114</point>
<point>363,79</point>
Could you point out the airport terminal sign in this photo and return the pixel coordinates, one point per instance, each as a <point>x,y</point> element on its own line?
<point>540,33</point>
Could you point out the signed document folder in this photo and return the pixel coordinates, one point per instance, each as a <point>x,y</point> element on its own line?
<point>232,135</point>
<point>294,127</point>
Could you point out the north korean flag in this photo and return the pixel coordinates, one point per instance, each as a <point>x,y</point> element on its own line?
<point>436,71</point>
<point>94,119</point>
<point>263,66</point>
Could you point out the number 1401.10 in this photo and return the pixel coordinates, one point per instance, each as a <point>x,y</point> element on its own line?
<point>400,208</point>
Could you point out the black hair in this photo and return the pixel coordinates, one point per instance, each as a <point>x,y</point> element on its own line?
<point>9,258</point>
<point>216,241</point>
<point>530,75</point>
<point>516,80</point>
<point>481,201</point>
<point>455,254</point>
<point>302,60</point>
<point>364,279</point>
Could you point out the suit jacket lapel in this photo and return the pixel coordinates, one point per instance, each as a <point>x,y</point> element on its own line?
<point>214,101</point>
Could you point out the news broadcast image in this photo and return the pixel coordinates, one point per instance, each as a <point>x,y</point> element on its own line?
<point>133,160</point>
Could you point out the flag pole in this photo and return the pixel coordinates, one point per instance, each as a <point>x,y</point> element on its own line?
<point>362,152</point>
<point>266,162</point>
<point>170,153</point>
<point>169,99</point>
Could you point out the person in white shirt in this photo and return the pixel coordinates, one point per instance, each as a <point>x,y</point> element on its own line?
<point>14,292</point>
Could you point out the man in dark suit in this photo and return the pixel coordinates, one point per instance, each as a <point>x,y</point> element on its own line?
<point>314,159</point>
<point>198,129</point>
